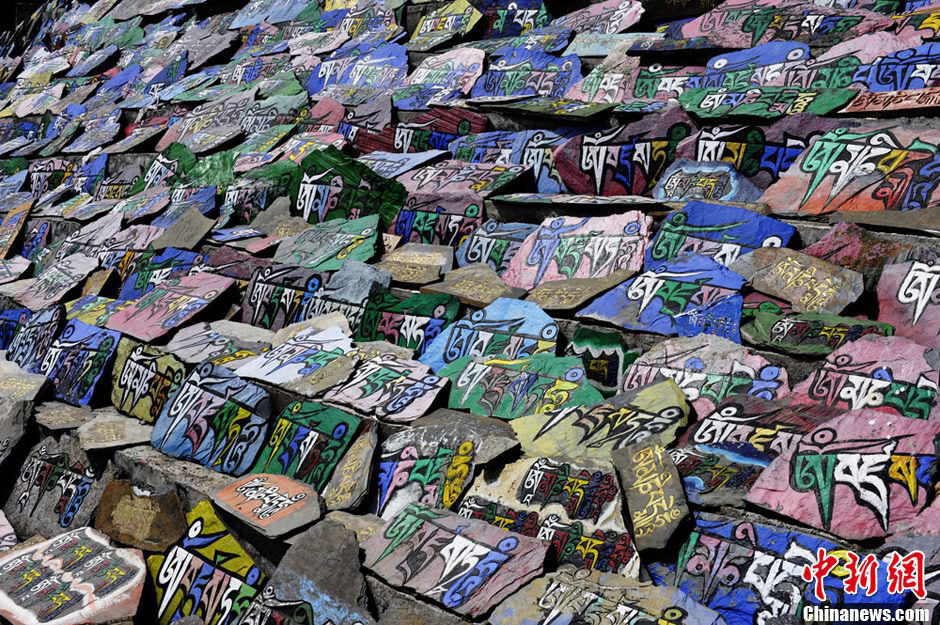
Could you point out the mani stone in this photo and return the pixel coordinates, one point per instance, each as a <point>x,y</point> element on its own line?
<point>81,566</point>
<point>419,534</point>
<point>712,480</point>
<point>474,285</point>
<point>18,390</point>
<point>139,517</point>
<point>272,504</point>
<point>110,429</point>
<point>320,323</point>
<point>58,488</point>
<point>857,476</point>
<point>56,416</point>
<point>573,293</point>
<point>656,411</point>
<point>418,263</point>
<point>909,299</point>
<point>318,575</point>
<point>852,247</point>
<point>807,283</point>
<point>560,597</point>
<point>653,491</point>
<point>349,483</point>
<point>364,526</point>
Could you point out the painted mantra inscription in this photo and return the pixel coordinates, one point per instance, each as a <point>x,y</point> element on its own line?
<point>270,499</point>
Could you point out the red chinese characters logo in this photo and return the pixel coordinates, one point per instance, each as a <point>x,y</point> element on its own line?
<point>860,575</point>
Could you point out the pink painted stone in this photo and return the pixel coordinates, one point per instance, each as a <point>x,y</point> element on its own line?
<point>853,247</point>
<point>572,247</point>
<point>858,476</point>
<point>169,305</point>
<point>888,374</point>
<point>909,299</point>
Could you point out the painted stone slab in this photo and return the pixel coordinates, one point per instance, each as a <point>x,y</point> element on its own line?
<point>654,412</point>
<point>853,247</point>
<point>149,269</point>
<point>603,354</point>
<point>445,200</point>
<point>273,504</point>
<point>151,522</point>
<point>54,283</point>
<point>207,554</point>
<point>216,419</point>
<point>393,165</point>
<point>441,78</point>
<point>744,428</point>
<point>349,485</point>
<point>474,285</point>
<point>280,295</point>
<point>390,388</point>
<point>610,82</point>
<point>57,489</point>
<point>689,295</point>
<point>18,391</point>
<point>31,343</point>
<point>11,225</point>
<point>813,485</point>
<point>571,247</point>
<point>610,16</point>
<point>12,321</point>
<point>169,305</point>
<point>450,21</point>
<point>766,102</point>
<point>55,416</point>
<point>300,356</point>
<point>328,245</point>
<point>554,110</point>
<point>336,186</point>
<point>560,595</point>
<point>653,492</point>
<point>574,293</point>
<point>76,361</point>
<point>507,19</point>
<point>719,231</point>
<point>846,170</point>
<point>708,369</point>
<point>418,263</point>
<point>747,23</point>
<point>86,580</point>
<point>537,385</point>
<point>522,72</point>
<point>806,334</point>
<point>760,153</point>
<point>705,181</point>
<point>712,479</point>
<point>807,283</point>
<point>908,299</point>
<point>758,548</point>
<point>615,162</point>
<point>110,429</point>
<point>888,374</point>
<point>307,442</point>
<point>659,82</point>
<point>434,461</point>
<point>493,243</point>
<point>575,507</point>
<point>200,342</point>
<point>411,322</point>
<point>468,588</point>
<point>527,147</point>
<point>510,328</point>
<point>12,269</point>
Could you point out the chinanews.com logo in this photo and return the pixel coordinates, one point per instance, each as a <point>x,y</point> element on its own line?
<point>904,575</point>
<point>866,614</point>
